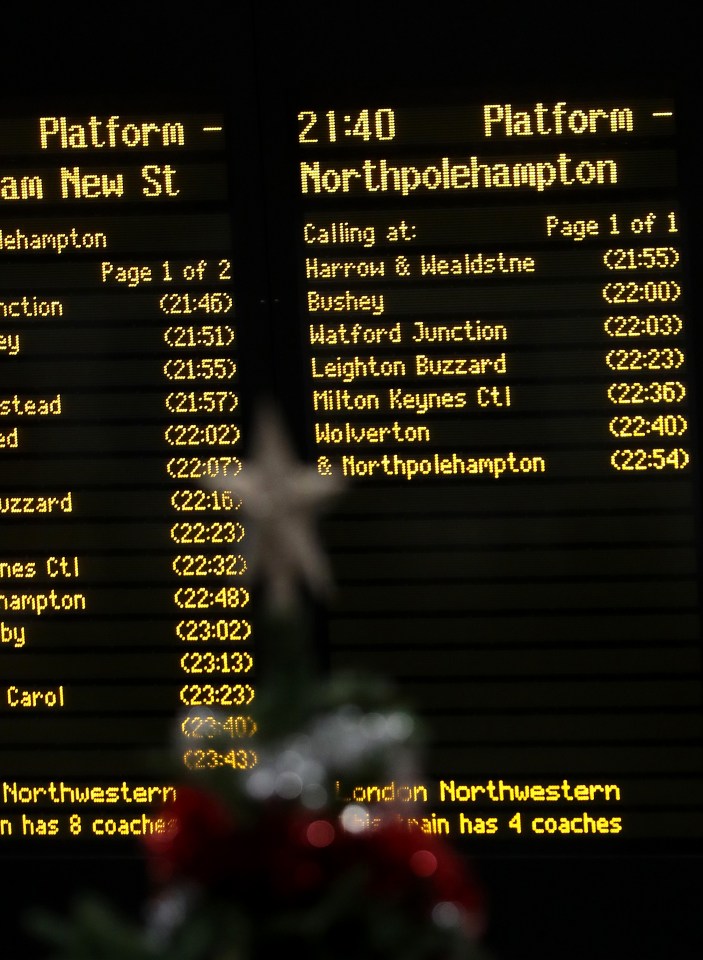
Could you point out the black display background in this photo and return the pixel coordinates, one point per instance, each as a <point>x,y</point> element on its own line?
<point>258,61</point>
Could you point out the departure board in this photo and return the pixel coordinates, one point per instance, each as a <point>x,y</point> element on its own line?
<point>493,302</point>
<point>121,381</point>
<point>487,336</point>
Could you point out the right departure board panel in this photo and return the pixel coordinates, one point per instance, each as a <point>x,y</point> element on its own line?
<point>499,356</point>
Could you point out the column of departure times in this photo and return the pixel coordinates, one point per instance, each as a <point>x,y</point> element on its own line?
<point>645,338</point>
<point>205,439</point>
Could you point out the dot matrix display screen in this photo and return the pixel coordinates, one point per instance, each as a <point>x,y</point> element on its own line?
<point>478,314</point>
<point>495,309</point>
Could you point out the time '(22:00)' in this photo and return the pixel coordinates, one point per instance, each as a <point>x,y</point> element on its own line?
<point>648,358</point>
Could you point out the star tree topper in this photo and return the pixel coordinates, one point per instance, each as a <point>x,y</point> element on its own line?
<point>281,497</point>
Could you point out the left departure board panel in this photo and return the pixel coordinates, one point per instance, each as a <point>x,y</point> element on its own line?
<point>120,397</point>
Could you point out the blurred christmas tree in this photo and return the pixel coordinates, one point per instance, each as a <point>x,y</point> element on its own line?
<point>263,859</point>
